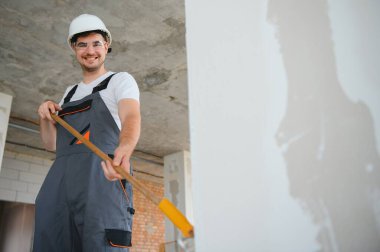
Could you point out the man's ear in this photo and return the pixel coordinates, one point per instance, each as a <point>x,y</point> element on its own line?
<point>106,47</point>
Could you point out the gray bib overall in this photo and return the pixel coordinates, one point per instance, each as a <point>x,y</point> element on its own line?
<point>77,208</point>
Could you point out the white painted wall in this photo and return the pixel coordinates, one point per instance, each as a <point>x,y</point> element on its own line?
<point>284,123</point>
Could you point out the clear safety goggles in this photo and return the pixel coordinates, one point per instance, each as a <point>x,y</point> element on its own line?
<point>97,44</point>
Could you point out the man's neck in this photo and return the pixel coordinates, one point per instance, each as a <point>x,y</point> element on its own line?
<point>88,77</point>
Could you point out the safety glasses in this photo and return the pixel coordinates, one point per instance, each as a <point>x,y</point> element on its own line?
<point>97,44</point>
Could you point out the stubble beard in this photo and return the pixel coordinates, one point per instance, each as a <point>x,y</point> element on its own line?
<point>92,69</point>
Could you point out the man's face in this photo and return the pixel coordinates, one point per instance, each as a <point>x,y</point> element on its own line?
<point>91,51</point>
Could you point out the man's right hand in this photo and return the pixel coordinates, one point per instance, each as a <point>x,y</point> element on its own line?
<point>48,130</point>
<point>46,108</point>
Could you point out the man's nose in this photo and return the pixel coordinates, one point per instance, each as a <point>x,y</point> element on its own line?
<point>90,48</point>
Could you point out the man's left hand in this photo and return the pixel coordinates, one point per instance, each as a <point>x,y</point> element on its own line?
<point>121,158</point>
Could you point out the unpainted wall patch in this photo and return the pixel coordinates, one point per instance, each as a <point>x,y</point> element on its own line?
<point>177,37</point>
<point>47,91</point>
<point>119,47</point>
<point>172,98</point>
<point>155,77</point>
<point>175,23</point>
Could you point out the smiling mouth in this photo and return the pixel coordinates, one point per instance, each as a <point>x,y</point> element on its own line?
<point>91,58</point>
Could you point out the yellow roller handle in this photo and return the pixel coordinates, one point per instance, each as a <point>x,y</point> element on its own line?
<point>173,214</point>
<point>178,219</point>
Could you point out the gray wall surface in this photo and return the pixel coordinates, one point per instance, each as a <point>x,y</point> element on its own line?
<point>285,124</point>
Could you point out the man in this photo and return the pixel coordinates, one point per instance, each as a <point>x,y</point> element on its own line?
<point>83,204</point>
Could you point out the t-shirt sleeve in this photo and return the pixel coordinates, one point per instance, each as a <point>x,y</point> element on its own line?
<point>126,87</point>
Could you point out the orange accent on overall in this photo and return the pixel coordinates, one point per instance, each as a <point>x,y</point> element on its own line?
<point>125,192</point>
<point>76,111</point>
<point>118,246</point>
<point>86,136</point>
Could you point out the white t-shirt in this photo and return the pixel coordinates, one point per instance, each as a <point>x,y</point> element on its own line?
<point>121,86</point>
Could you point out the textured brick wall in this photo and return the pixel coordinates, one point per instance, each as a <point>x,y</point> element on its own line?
<point>148,224</point>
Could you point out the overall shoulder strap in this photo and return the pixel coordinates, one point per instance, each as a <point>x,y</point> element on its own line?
<point>102,85</point>
<point>70,94</point>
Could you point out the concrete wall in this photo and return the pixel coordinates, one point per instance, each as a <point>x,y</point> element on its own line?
<point>285,124</point>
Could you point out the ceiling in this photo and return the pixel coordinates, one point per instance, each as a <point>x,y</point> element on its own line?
<point>148,42</point>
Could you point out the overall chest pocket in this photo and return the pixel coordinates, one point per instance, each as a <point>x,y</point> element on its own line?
<point>78,116</point>
<point>72,110</point>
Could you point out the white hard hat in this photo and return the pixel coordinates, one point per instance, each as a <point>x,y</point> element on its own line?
<point>87,22</point>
